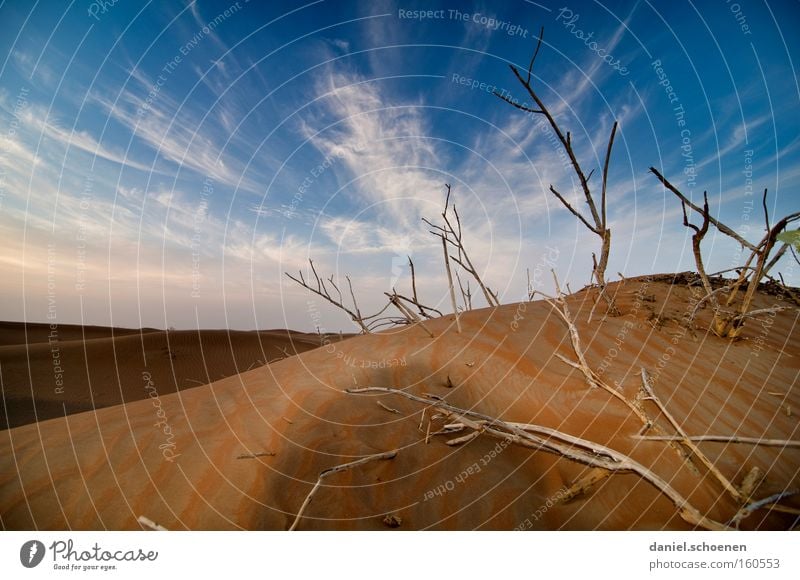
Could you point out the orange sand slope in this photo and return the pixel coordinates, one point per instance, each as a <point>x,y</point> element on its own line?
<point>85,368</point>
<point>244,452</point>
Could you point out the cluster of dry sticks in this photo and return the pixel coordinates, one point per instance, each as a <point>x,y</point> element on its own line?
<point>412,309</point>
<point>602,460</point>
<point>728,322</point>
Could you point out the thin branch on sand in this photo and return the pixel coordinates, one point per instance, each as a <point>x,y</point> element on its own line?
<point>560,307</point>
<point>387,408</point>
<point>686,441</point>
<point>569,446</point>
<point>150,524</point>
<point>766,502</point>
<point>330,471</point>
<point>724,439</point>
<point>584,484</point>
<point>256,455</point>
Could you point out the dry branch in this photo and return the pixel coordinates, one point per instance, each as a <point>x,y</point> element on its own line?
<point>554,441</point>
<point>450,285</point>
<point>330,471</point>
<point>747,510</point>
<point>256,455</point>
<point>729,487</point>
<point>465,439</point>
<point>751,482</point>
<point>559,305</point>
<point>597,222</point>
<point>390,409</point>
<point>587,482</point>
<point>453,235</point>
<point>322,291</point>
<point>729,324</point>
<point>724,439</point>
<point>409,314</point>
<point>146,522</point>
<point>717,224</point>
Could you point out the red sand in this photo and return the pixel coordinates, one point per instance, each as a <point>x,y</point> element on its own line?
<point>102,470</point>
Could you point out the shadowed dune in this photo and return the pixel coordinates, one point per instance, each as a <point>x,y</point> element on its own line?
<point>244,451</point>
<point>48,372</point>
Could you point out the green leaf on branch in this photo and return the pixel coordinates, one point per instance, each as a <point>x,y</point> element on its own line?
<point>791,237</point>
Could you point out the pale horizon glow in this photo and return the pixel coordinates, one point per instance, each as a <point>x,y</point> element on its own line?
<point>164,165</point>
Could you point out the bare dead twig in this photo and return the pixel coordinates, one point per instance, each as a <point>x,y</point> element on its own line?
<point>729,487</point>
<point>330,471</point>
<point>322,291</point>
<point>598,224</point>
<point>723,439</point>
<point>150,524</point>
<point>750,483</point>
<point>450,285</point>
<point>727,324</point>
<point>584,484</point>
<point>717,224</point>
<point>748,509</point>
<point>551,440</point>
<point>465,439</point>
<point>410,316</point>
<point>453,235</point>
<point>466,294</point>
<point>795,298</point>
<point>387,408</point>
<point>256,455</point>
<point>560,307</point>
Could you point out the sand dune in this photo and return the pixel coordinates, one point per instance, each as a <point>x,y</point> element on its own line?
<point>244,451</point>
<point>85,368</point>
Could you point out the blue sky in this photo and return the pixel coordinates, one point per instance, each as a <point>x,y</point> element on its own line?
<point>164,163</point>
